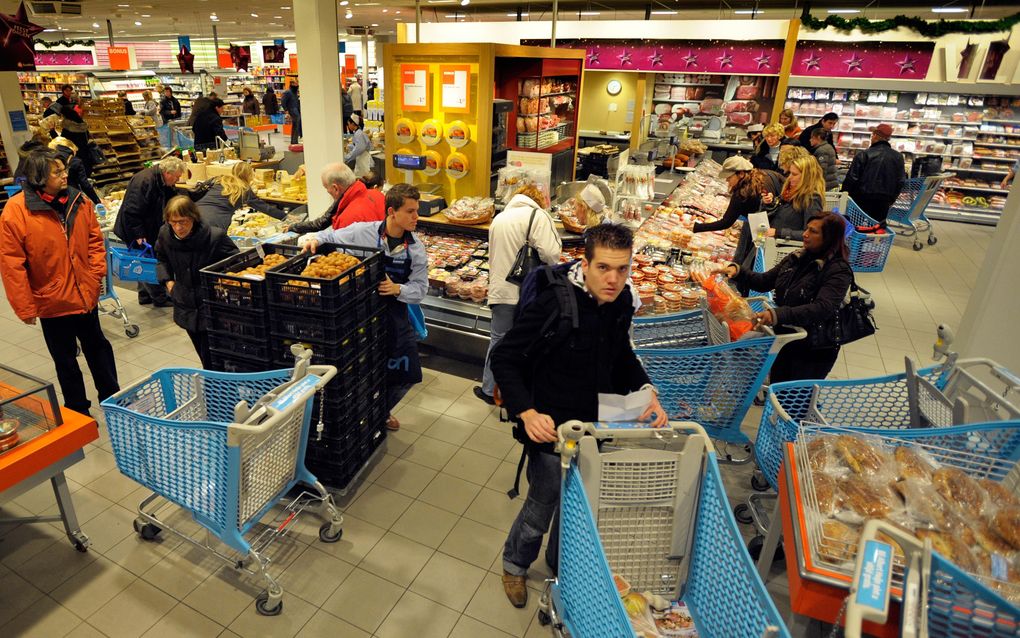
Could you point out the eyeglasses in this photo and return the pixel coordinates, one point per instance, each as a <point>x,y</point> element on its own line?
<point>61,173</point>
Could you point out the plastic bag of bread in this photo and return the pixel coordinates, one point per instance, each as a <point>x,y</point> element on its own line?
<point>914,463</point>
<point>925,505</point>
<point>999,496</point>
<point>951,547</point>
<point>827,494</point>
<point>960,490</point>
<point>821,452</point>
<point>866,498</point>
<point>1006,525</point>
<point>865,456</point>
<point>839,541</point>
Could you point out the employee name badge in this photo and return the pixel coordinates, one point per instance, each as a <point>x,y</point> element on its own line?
<point>874,575</point>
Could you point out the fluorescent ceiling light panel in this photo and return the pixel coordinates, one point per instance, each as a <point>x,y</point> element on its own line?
<point>948,10</point>
<point>664,13</point>
<point>514,15</point>
<point>588,13</point>
<point>844,10</point>
<point>748,12</point>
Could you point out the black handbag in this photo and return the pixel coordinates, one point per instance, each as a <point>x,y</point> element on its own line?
<point>527,257</point>
<point>851,321</point>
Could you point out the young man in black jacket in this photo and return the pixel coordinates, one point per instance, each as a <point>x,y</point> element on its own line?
<point>876,175</point>
<point>827,123</point>
<point>169,107</point>
<point>547,380</point>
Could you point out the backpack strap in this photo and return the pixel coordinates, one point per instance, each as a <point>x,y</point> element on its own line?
<point>515,491</point>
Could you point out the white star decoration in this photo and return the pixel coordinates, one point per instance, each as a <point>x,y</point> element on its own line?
<point>906,65</point>
<point>813,62</point>
<point>690,59</point>
<point>624,57</point>
<point>655,58</point>
<point>725,60</point>
<point>593,57</point>
<point>763,60</point>
<point>854,63</point>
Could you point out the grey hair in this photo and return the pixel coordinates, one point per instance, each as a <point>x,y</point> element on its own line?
<point>38,165</point>
<point>172,166</point>
<point>339,174</point>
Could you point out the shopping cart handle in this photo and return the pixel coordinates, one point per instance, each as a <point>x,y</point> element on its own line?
<point>572,431</point>
<point>870,588</point>
<point>1006,376</point>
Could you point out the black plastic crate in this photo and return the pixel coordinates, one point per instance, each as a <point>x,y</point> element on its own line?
<point>288,288</point>
<point>233,345</point>
<point>232,363</point>
<point>242,322</point>
<point>342,354</point>
<point>236,290</point>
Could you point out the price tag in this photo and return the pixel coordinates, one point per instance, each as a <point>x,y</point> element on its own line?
<point>260,251</point>
<point>873,580</point>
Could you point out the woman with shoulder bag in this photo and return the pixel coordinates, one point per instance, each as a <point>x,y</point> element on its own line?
<point>810,285</point>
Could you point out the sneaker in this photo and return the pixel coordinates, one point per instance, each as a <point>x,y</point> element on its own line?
<point>392,424</point>
<point>484,397</point>
<point>516,589</point>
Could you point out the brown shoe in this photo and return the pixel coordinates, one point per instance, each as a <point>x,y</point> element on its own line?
<point>516,589</point>
<point>392,424</point>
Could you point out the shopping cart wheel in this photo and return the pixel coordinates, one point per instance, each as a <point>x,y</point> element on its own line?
<point>132,330</point>
<point>261,606</point>
<point>918,245</point>
<point>742,513</point>
<point>543,618</point>
<point>754,549</point>
<point>80,542</point>
<point>146,530</point>
<point>759,484</point>
<point>326,537</point>
<point>932,240</point>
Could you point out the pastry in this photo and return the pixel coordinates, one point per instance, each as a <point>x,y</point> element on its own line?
<point>868,500</point>
<point>951,547</point>
<point>1006,525</point>
<point>839,541</point>
<point>959,489</point>
<point>818,452</point>
<point>998,494</point>
<point>911,465</point>
<point>826,494</point>
<point>860,456</point>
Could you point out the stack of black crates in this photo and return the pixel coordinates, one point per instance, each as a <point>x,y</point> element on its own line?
<point>341,320</point>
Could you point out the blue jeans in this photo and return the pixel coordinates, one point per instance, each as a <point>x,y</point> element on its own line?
<point>502,321</point>
<point>541,507</point>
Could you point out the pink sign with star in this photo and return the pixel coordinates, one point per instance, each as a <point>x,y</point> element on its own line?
<point>706,56</point>
<point>898,60</point>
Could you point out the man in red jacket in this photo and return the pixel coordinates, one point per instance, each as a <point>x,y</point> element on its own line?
<point>52,260</point>
<point>352,201</point>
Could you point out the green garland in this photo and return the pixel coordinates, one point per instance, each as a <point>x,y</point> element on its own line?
<point>924,27</point>
<point>64,43</point>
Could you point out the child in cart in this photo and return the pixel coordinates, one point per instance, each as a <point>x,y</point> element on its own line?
<point>570,343</point>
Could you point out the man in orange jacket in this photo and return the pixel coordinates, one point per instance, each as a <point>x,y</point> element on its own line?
<point>352,202</point>
<point>52,260</point>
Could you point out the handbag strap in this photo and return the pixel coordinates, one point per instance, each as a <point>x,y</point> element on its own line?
<point>527,235</point>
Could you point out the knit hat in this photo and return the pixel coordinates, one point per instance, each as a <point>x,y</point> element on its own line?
<point>356,118</point>
<point>884,130</point>
<point>734,164</point>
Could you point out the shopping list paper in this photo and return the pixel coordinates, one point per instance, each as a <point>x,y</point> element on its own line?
<point>624,407</point>
<point>758,223</point>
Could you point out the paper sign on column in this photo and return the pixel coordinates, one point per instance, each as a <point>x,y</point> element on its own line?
<point>414,85</point>
<point>624,407</point>
<point>456,84</point>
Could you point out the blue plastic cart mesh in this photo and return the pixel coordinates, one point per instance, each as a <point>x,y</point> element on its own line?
<point>879,402</point>
<point>700,374</point>
<point>907,212</point>
<point>130,264</point>
<point>868,252</point>
<point>720,587</point>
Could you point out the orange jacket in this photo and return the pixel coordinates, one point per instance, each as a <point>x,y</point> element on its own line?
<point>50,269</point>
<point>359,204</point>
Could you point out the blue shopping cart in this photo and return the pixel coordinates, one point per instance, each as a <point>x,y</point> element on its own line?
<point>224,448</point>
<point>907,212</point>
<point>703,376</point>
<point>659,519</point>
<point>107,292</point>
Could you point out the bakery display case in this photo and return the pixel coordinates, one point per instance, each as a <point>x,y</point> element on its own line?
<point>546,111</point>
<point>28,408</point>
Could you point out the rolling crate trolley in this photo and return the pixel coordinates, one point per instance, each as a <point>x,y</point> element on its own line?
<point>702,375</point>
<point>661,520</point>
<point>939,598</point>
<point>225,448</point>
<point>908,210</point>
<point>108,293</point>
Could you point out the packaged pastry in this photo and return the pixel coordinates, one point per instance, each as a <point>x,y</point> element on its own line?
<point>860,455</point>
<point>1006,524</point>
<point>959,489</point>
<point>820,452</point>
<point>924,504</point>
<point>949,546</point>
<point>998,495</point>
<point>826,494</point>
<point>839,541</point>
<point>913,464</point>
<point>868,498</point>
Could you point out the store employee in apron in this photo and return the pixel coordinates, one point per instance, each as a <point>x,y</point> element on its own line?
<point>406,281</point>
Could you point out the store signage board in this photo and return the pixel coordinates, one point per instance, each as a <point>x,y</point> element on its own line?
<point>704,56</point>
<point>456,87</point>
<point>18,121</point>
<point>120,58</point>
<point>414,87</point>
<point>889,60</point>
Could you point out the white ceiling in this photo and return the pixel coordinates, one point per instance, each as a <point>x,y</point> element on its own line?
<point>237,20</point>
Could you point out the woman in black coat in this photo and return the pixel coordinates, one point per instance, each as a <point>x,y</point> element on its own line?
<point>270,103</point>
<point>810,284</point>
<point>185,246</point>
<point>208,125</point>
<point>76,176</point>
<point>75,129</point>
<point>250,103</point>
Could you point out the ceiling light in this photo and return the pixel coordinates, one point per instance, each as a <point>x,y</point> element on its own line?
<point>95,25</point>
<point>844,10</point>
<point>514,15</point>
<point>349,15</point>
<point>214,18</point>
<point>441,1</point>
<point>285,8</point>
<point>374,24</point>
<point>748,12</point>
<point>254,15</point>
<point>455,16</point>
<point>385,10</point>
<point>948,10</point>
<point>344,3</point>
<point>137,23</point>
<point>397,12</point>
<point>465,3</point>
<point>588,13</point>
<point>277,17</point>
<point>124,5</point>
<point>663,13</point>
<point>50,30</point>
<point>146,15</point>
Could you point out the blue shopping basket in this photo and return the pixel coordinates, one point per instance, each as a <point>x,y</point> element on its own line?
<point>722,590</point>
<point>134,264</point>
<point>702,376</point>
<point>868,252</point>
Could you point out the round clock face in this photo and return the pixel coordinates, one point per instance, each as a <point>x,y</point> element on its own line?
<point>614,87</point>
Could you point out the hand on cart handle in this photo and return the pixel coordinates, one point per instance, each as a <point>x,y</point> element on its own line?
<point>540,427</point>
<point>654,415</point>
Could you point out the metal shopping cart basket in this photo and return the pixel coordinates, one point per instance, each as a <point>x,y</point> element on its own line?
<point>225,448</point>
<point>907,212</point>
<point>659,519</point>
<point>970,589</point>
<point>701,375</point>
<point>108,293</point>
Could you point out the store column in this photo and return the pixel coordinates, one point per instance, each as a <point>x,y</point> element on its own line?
<point>13,126</point>
<point>319,77</point>
<point>987,328</point>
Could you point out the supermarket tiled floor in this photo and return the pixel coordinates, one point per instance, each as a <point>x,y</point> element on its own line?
<point>423,527</point>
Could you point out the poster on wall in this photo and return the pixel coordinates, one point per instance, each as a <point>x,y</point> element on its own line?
<point>892,60</point>
<point>414,87</point>
<point>16,34</point>
<point>77,59</point>
<point>456,87</point>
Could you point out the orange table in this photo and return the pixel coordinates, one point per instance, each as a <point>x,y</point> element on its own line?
<point>816,592</point>
<point>45,458</point>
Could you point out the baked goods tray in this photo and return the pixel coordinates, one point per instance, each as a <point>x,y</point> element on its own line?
<point>957,487</point>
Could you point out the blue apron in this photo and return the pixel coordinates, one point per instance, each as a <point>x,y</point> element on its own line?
<point>403,366</point>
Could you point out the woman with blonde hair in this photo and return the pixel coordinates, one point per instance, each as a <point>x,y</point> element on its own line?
<point>788,153</point>
<point>229,193</point>
<point>150,107</point>
<point>766,156</point>
<point>76,177</point>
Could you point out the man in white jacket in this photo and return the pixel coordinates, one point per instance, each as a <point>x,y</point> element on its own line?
<point>508,232</point>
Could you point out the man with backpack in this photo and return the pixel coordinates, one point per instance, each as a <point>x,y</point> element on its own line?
<point>570,342</point>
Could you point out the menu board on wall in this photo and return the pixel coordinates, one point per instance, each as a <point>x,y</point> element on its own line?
<point>456,87</point>
<point>414,87</point>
